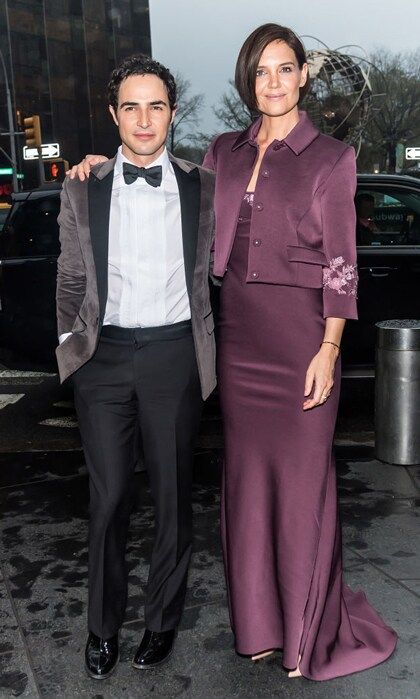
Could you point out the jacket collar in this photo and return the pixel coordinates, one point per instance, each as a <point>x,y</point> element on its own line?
<point>162,160</point>
<point>103,169</point>
<point>299,138</point>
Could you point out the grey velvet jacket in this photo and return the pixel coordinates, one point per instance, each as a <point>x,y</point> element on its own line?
<point>83,264</point>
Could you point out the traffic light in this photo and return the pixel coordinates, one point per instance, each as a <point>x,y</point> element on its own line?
<point>33,131</point>
<point>55,170</point>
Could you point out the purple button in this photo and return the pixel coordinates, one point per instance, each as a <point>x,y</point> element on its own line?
<point>255,275</point>
<point>257,242</point>
<point>265,173</point>
<point>259,206</point>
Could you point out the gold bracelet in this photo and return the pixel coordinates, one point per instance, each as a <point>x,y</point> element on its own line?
<point>328,342</point>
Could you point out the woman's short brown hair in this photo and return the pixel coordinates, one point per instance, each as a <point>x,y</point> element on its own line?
<point>250,54</point>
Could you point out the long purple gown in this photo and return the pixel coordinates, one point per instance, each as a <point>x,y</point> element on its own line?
<point>280,526</point>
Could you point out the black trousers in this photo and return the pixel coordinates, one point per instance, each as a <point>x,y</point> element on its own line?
<point>145,383</point>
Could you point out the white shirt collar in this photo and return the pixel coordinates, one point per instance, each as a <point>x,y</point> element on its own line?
<point>162,160</point>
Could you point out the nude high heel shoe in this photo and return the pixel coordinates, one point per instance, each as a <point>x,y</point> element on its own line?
<point>297,672</point>
<point>260,656</point>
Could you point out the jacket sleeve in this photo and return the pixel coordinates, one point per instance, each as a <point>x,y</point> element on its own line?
<point>71,274</point>
<point>339,239</point>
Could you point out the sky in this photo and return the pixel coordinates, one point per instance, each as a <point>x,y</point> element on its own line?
<point>201,38</point>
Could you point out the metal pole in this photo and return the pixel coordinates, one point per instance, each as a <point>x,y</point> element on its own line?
<point>41,175</point>
<point>11,127</point>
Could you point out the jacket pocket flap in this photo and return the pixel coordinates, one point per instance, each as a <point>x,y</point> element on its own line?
<point>209,322</point>
<point>79,324</point>
<point>298,253</point>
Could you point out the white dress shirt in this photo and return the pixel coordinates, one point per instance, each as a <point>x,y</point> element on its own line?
<point>146,273</point>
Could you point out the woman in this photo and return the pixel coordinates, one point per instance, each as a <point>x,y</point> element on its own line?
<point>285,247</point>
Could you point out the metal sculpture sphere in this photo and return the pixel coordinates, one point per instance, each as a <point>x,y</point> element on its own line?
<point>340,96</point>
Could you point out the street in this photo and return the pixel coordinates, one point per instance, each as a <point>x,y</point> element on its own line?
<point>44,498</point>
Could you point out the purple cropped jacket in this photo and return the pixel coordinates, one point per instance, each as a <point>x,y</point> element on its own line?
<point>303,219</point>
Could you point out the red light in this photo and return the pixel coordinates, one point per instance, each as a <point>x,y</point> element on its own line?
<point>6,189</point>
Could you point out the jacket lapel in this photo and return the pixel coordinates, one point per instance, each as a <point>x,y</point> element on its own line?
<point>189,194</point>
<point>99,196</point>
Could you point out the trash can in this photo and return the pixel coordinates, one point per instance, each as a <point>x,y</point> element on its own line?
<point>397,392</point>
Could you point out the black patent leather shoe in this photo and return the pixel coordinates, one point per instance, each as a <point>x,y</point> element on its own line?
<point>101,656</point>
<point>154,649</point>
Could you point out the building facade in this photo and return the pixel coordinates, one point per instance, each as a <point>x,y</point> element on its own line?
<point>58,55</point>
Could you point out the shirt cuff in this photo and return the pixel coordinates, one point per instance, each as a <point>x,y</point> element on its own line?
<point>63,337</point>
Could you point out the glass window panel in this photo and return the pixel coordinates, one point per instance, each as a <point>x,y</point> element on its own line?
<point>387,217</point>
<point>32,230</point>
<point>62,52</point>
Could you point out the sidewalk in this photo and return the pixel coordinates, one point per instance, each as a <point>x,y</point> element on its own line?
<point>43,499</point>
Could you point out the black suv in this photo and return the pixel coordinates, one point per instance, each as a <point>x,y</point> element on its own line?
<point>388,254</point>
<point>29,247</point>
<point>388,239</point>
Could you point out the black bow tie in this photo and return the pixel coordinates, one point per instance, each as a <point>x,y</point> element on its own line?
<point>152,175</point>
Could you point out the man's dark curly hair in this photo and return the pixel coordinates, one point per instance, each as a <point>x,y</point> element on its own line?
<point>140,64</point>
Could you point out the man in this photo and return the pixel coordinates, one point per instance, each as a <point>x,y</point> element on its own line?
<point>136,336</point>
<point>365,212</point>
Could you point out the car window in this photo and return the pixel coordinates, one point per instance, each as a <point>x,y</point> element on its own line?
<point>3,215</point>
<point>32,229</point>
<point>387,217</point>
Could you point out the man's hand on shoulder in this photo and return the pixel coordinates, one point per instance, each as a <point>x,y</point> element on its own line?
<point>82,169</point>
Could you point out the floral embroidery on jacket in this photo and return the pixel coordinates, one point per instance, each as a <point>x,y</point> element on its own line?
<point>249,197</point>
<point>340,277</point>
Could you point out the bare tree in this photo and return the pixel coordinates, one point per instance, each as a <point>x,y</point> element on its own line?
<point>232,115</point>
<point>396,112</point>
<point>202,141</point>
<point>187,114</point>
<point>231,112</point>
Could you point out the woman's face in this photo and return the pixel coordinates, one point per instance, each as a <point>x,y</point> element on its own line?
<point>278,79</point>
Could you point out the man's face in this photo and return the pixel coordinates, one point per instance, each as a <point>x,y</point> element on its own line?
<point>143,117</point>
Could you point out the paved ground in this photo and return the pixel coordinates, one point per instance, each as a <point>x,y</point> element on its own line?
<point>43,501</point>
<point>43,498</point>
